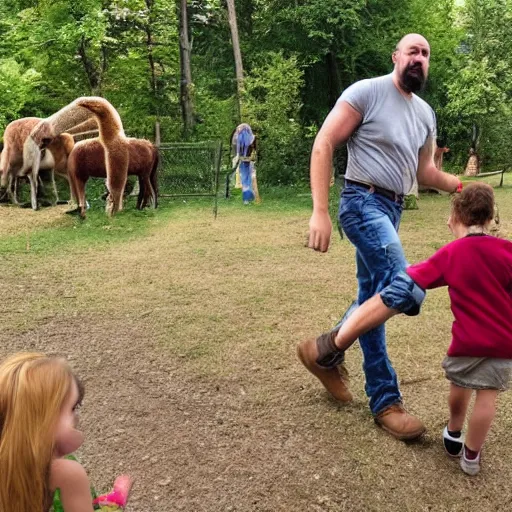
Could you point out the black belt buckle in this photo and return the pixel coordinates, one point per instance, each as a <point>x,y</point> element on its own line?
<point>388,194</point>
<point>374,189</point>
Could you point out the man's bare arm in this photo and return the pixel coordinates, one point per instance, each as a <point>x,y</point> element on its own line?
<point>429,175</point>
<point>339,125</point>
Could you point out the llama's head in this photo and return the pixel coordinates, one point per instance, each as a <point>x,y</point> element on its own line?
<point>107,116</point>
<point>43,134</point>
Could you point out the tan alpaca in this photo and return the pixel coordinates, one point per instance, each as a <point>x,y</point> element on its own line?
<point>11,159</point>
<point>59,150</point>
<point>88,159</point>
<point>66,119</point>
<point>12,163</point>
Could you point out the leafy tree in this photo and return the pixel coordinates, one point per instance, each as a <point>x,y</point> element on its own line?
<point>17,88</point>
<point>273,110</point>
<point>480,92</point>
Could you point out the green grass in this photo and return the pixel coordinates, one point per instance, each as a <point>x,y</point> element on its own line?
<point>98,230</point>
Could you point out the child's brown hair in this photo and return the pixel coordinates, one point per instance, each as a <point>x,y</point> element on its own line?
<point>474,206</point>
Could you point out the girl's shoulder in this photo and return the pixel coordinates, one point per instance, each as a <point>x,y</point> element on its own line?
<point>71,479</point>
<point>68,474</point>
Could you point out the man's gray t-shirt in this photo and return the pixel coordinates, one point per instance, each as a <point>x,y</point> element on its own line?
<point>384,150</point>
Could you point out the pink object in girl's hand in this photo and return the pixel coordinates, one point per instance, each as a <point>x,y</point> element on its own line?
<point>119,495</point>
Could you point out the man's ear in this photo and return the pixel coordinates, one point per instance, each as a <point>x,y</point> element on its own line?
<point>394,56</point>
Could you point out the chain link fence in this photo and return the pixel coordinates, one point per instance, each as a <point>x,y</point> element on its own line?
<point>190,169</point>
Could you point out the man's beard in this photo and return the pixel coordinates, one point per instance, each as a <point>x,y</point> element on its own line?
<point>412,78</point>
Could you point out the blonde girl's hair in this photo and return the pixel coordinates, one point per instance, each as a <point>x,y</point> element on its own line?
<point>33,389</point>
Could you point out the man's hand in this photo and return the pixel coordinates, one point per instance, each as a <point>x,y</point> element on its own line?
<point>320,228</point>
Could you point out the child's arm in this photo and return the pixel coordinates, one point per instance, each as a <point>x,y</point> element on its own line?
<point>75,490</point>
<point>429,274</point>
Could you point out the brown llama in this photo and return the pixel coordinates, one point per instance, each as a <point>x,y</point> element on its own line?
<point>115,144</point>
<point>12,162</point>
<point>88,160</point>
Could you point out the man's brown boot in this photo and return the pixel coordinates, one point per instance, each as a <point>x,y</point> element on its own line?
<point>321,357</point>
<point>399,423</point>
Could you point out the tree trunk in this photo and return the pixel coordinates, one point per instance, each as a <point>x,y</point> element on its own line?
<point>94,73</point>
<point>187,105</point>
<point>151,60</point>
<point>334,78</point>
<point>239,70</point>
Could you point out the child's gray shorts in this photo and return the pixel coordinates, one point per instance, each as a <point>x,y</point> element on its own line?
<point>478,372</point>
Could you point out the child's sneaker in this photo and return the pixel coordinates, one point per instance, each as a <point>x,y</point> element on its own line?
<point>452,445</point>
<point>470,466</point>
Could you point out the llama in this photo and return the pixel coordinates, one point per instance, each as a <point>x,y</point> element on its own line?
<point>11,159</point>
<point>13,162</point>
<point>88,160</point>
<point>71,118</point>
<point>114,142</point>
<point>111,134</point>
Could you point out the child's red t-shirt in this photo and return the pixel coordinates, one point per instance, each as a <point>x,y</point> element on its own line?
<point>478,272</point>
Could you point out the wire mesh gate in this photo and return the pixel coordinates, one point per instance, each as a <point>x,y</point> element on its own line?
<point>189,169</point>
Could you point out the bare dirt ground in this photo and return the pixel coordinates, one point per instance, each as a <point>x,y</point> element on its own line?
<point>185,337</point>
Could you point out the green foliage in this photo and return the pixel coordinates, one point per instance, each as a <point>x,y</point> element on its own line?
<point>272,107</point>
<point>410,202</point>
<point>298,57</point>
<point>479,92</point>
<point>17,89</point>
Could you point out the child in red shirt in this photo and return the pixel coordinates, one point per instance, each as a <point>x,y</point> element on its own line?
<point>477,269</point>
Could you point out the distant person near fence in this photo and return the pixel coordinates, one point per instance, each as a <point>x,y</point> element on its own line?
<point>244,148</point>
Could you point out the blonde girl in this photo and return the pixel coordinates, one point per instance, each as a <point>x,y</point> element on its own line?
<point>39,398</point>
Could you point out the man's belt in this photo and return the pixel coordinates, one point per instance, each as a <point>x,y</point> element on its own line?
<point>388,194</point>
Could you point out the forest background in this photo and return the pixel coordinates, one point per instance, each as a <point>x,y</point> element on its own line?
<point>171,63</point>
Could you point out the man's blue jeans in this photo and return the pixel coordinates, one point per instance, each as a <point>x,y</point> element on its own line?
<point>371,223</point>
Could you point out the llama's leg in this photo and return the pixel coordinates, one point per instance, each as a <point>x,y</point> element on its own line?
<point>146,190</point>
<point>115,197</point>
<point>73,189</point>
<point>72,197</point>
<point>12,189</point>
<point>140,196</point>
<point>77,183</point>
<point>4,170</point>
<point>4,189</point>
<point>54,187</point>
<point>117,174</point>
<point>151,193</point>
<point>80,192</point>
<point>34,182</point>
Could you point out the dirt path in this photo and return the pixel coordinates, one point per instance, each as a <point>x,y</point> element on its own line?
<point>193,387</point>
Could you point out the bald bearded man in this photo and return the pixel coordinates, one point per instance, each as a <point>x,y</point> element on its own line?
<point>390,133</point>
